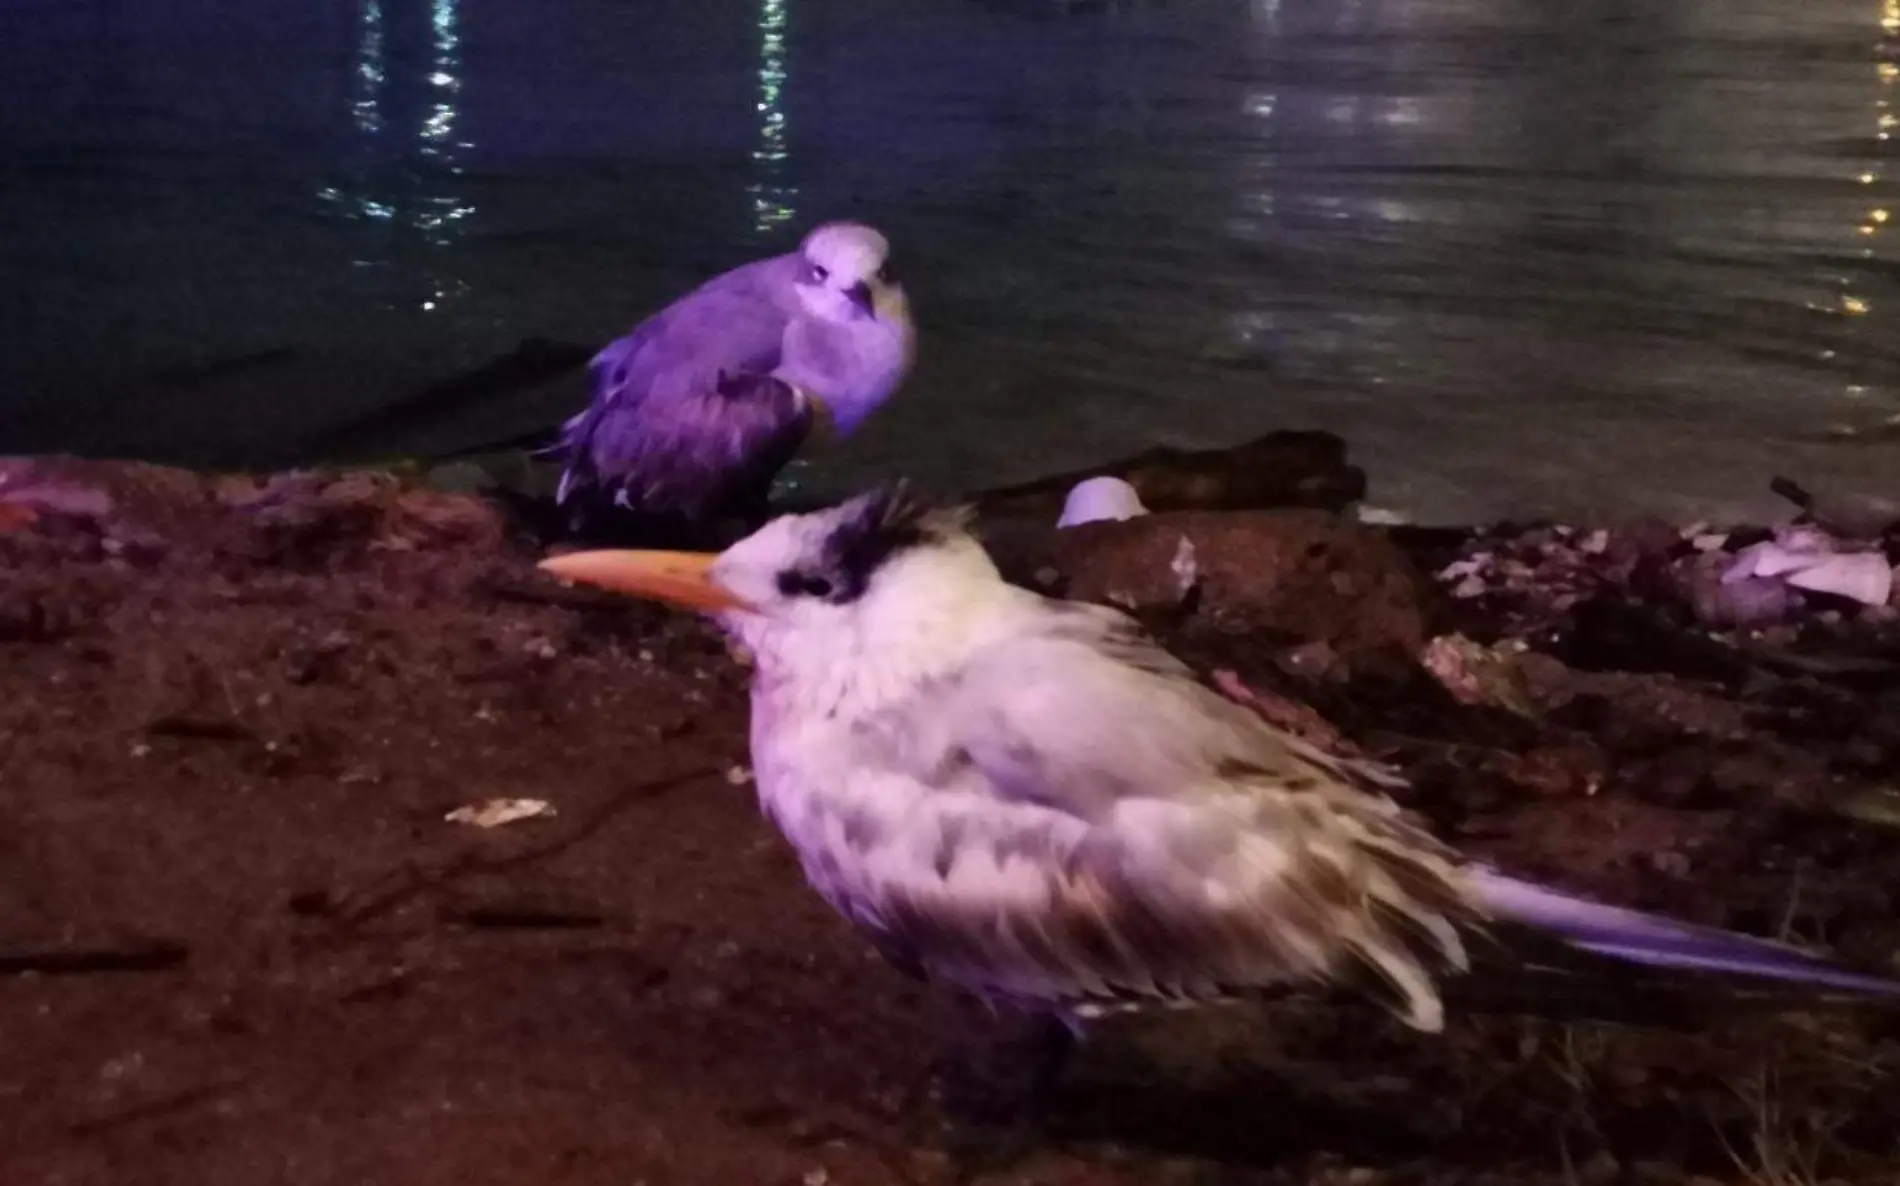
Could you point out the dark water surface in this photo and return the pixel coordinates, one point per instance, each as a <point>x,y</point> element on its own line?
<point>1528,255</point>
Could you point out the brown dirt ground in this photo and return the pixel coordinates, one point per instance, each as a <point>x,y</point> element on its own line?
<point>234,724</point>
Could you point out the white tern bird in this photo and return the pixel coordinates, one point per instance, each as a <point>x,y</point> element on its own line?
<point>1029,799</point>
<point>696,411</point>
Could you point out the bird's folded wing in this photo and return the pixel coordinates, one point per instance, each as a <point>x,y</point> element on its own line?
<point>1100,831</point>
<point>734,325</point>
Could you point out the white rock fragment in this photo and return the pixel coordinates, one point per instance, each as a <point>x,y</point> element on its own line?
<point>1863,576</point>
<point>1097,499</point>
<point>1807,558</point>
<point>493,813</point>
<point>1381,517</point>
<point>1184,566</point>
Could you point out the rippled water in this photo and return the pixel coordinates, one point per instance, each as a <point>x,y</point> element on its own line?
<point>1528,255</point>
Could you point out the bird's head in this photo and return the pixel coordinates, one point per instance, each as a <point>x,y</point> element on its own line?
<point>884,575</point>
<point>845,275</point>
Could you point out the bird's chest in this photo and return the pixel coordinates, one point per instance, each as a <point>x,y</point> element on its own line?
<point>810,791</point>
<point>853,368</point>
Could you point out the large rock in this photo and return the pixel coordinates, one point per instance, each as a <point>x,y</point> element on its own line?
<point>1308,574</point>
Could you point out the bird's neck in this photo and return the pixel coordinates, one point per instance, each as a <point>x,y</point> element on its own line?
<point>853,367</point>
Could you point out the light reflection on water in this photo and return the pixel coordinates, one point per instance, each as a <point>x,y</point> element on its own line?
<point>403,170</point>
<point>771,197</point>
<point>1524,253</point>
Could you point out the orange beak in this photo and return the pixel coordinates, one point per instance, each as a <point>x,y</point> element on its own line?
<point>679,578</point>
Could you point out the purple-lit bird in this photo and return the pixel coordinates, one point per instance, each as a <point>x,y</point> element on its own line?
<point>1030,799</point>
<point>696,411</point>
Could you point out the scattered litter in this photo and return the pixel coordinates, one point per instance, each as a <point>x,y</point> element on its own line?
<point>1096,499</point>
<point>1808,558</point>
<point>1729,577</point>
<point>493,813</point>
<point>1865,577</point>
<point>1479,675</point>
<point>1553,564</point>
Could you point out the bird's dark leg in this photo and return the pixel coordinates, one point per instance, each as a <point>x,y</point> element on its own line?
<point>1050,1047</point>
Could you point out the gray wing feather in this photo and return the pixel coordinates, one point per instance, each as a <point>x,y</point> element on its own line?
<point>671,411</point>
<point>1104,833</point>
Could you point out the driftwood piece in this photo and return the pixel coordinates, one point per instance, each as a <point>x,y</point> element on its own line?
<point>1280,469</point>
<point>1853,516</point>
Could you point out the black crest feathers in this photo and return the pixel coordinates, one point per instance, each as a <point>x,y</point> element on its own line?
<point>877,525</point>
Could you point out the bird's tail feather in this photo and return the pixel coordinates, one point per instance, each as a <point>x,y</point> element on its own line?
<point>1646,939</point>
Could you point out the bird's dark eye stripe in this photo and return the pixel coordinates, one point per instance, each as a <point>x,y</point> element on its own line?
<point>792,583</point>
<point>816,273</point>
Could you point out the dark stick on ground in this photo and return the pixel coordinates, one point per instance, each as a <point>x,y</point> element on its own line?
<point>81,957</point>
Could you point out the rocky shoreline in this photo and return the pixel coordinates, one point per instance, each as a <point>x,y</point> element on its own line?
<point>246,942</point>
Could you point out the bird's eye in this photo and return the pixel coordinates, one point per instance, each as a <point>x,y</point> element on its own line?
<point>792,583</point>
<point>886,274</point>
<point>818,273</point>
